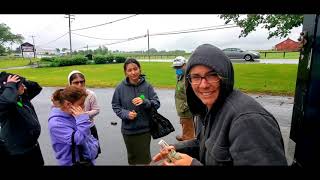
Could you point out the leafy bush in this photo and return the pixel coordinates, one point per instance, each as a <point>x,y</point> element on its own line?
<point>100,59</point>
<point>67,61</point>
<point>47,59</point>
<point>54,64</point>
<point>110,59</point>
<point>79,60</point>
<point>120,59</point>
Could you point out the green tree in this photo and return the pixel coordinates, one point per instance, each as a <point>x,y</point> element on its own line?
<point>278,25</point>
<point>152,50</point>
<point>2,50</point>
<point>17,50</point>
<point>6,36</point>
<point>58,50</point>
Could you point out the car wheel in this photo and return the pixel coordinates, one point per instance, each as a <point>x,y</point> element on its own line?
<point>248,57</point>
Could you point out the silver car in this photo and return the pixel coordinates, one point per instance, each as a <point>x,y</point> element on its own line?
<point>237,53</point>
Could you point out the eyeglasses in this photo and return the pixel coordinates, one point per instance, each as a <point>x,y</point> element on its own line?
<point>211,77</point>
<point>77,82</point>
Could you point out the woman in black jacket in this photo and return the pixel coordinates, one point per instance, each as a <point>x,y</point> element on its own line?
<point>20,127</point>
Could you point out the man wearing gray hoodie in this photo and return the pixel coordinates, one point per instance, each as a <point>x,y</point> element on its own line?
<point>236,130</point>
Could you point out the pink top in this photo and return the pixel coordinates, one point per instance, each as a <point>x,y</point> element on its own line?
<point>91,105</point>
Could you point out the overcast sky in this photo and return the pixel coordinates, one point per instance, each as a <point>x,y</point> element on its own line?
<point>47,28</point>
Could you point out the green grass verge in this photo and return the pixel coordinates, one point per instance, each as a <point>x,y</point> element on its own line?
<point>276,79</point>
<point>15,62</point>
<point>288,55</point>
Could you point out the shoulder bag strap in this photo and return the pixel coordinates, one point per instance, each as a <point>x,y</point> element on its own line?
<point>73,149</point>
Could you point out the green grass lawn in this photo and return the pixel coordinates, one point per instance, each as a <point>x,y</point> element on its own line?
<point>288,55</point>
<point>266,78</point>
<point>277,79</point>
<point>14,62</point>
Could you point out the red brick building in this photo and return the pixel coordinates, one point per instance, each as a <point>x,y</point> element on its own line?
<point>287,45</point>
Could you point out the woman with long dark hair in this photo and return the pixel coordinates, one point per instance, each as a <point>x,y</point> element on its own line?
<point>132,101</point>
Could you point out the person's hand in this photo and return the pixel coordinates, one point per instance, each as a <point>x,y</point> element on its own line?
<point>163,153</point>
<point>76,110</point>
<point>132,115</point>
<point>184,161</point>
<point>13,78</point>
<point>137,101</point>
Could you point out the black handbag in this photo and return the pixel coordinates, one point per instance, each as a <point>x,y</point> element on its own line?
<point>160,126</point>
<point>83,162</point>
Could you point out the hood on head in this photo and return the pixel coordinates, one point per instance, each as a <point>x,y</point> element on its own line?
<point>71,73</point>
<point>212,57</point>
<point>3,79</point>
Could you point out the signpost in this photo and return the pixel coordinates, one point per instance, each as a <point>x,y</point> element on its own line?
<point>27,47</point>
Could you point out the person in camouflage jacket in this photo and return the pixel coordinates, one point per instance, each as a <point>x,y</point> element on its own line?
<point>186,119</point>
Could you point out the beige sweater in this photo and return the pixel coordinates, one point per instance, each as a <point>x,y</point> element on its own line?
<point>91,105</point>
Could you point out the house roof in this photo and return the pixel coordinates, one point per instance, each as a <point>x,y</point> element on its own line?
<point>26,44</point>
<point>288,39</point>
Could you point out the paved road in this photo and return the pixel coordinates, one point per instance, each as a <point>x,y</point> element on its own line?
<point>112,145</point>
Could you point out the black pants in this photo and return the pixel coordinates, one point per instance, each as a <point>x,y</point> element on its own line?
<point>94,133</point>
<point>32,157</point>
<point>138,148</point>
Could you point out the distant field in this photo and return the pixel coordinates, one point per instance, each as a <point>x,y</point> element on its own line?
<point>277,79</point>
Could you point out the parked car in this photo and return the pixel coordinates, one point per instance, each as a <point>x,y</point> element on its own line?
<point>237,53</point>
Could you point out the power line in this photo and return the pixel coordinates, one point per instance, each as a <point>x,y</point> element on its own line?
<point>54,40</point>
<point>95,37</point>
<point>103,23</point>
<point>209,28</point>
<point>193,30</point>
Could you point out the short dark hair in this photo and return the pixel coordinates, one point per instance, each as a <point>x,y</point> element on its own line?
<point>129,61</point>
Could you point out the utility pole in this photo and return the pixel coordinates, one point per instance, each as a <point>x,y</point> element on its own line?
<point>69,17</point>
<point>148,45</point>
<point>34,47</point>
<point>87,49</point>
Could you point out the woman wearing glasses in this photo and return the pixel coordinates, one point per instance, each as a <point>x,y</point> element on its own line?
<point>76,78</point>
<point>236,130</point>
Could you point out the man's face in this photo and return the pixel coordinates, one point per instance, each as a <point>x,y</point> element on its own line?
<point>205,84</point>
